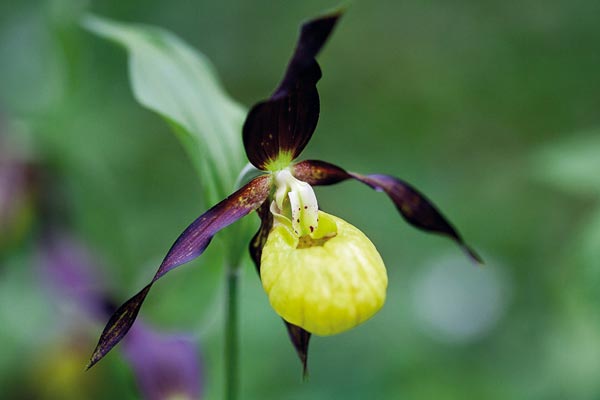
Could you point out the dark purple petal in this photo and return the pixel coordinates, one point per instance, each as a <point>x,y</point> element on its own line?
<point>165,366</point>
<point>285,123</point>
<point>190,244</point>
<point>416,209</point>
<point>299,337</point>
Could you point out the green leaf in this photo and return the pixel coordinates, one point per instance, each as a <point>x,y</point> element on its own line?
<point>570,165</point>
<point>179,83</point>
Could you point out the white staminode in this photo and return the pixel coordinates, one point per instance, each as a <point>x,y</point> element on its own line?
<point>302,206</point>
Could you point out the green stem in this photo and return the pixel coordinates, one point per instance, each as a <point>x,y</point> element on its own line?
<point>231,334</point>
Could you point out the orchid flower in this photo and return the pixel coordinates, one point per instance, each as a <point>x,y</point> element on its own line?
<point>322,275</point>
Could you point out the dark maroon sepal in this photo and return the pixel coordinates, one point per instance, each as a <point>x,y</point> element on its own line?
<point>300,339</point>
<point>303,68</point>
<point>190,244</point>
<point>416,209</point>
<point>283,124</point>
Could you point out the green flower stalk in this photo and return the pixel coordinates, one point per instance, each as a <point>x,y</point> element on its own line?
<point>321,274</point>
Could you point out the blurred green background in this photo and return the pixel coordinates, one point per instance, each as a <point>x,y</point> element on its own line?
<point>492,109</point>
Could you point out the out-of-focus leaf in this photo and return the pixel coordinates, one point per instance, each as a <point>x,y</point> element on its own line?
<point>180,84</point>
<point>571,165</point>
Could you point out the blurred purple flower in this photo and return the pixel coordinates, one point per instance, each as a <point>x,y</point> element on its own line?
<point>166,366</point>
<point>72,275</point>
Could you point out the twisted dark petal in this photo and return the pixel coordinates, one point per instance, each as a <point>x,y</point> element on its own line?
<point>416,209</point>
<point>299,337</point>
<point>190,244</point>
<point>285,122</point>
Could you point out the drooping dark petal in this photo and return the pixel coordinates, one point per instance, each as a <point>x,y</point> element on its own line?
<point>165,365</point>
<point>282,125</point>
<point>299,337</point>
<point>416,209</point>
<point>190,244</point>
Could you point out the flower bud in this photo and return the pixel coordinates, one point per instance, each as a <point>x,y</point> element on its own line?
<point>326,283</point>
